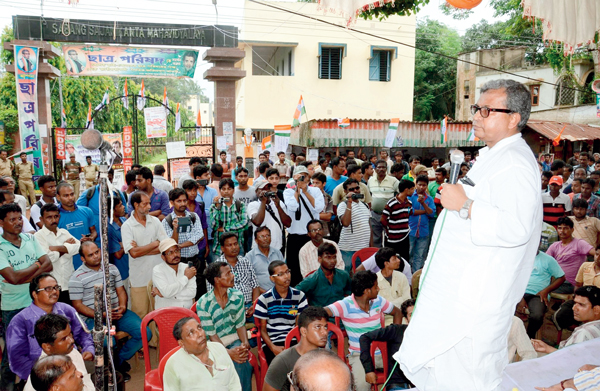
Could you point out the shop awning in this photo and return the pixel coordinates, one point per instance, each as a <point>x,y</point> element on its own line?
<point>573,132</point>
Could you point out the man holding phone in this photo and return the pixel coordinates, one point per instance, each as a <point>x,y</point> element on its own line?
<point>303,204</point>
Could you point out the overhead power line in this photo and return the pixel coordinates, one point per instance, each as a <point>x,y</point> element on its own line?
<point>414,47</point>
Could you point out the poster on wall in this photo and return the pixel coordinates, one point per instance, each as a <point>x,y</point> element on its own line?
<point>156,121</point>
<point>73,145</point>
<point>26,70</point>
<point>100,60</point>
<point>127,141</point>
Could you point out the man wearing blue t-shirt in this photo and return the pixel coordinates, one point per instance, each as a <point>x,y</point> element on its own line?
<point>539,287</point>
<point>338,167</point>
<point>78,220</point>
<point>116,252</point>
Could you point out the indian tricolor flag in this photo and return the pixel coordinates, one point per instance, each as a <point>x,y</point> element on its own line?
<point>283,130</point>
<point>300,110</point>
<point>472,135</point>
<point>166,98</point>
<point>89,124</point>
<point>105,100</point>
<point>125,98</point>
<point>141,100</point>
<point>343,123</point>
<point>266,143</point>
<point>177,118</point>
<point>444,127</point>
<point>198,125</point>
<point>63,118</point>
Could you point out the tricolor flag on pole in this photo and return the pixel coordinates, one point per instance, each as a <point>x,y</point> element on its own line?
<point>266,143</point>
<point>472,135</point>
<point>125,98</point>
<point>300,109</point>
<point>105,100</point>
<point>90,122</point>
<point>198,124</point>
<point>343,123</point>
<point>63,118</point>
<point>444,127</point>
<point>141,100</point>
<point>165,98</point>
<point>177,118</point>
<point>283,130</point>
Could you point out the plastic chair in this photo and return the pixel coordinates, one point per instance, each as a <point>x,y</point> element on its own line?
<point>193,307</point>
<point>381,375</point>
<point>165,319</point>
<point>262,359</point>
<point>163,363</point>
<point>295,333</point>
<point>362,255</point>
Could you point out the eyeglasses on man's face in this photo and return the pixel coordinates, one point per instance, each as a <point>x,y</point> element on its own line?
<point>49,289</point>
<point>485,111</point>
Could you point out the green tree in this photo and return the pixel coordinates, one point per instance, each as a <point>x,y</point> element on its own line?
<point>435,76</point>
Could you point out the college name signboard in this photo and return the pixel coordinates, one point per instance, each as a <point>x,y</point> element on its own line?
<point>128,33</point>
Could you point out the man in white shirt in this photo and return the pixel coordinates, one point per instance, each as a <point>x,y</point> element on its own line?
<point>60,246</point>
<point>6,197</point>
<point>269,211</point>
<point>303,204</point>
<point>490,236</point>
<point>160,182</point>
<point>19,199</point>
<point>141,235</point>
<point>174,282</point>
<point>309,257</point>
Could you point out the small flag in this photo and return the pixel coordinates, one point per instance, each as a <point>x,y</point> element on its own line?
<point>28,150</point>
<point>141,100</point>
<point>177,118</point>
<point>125,98</point>
<point>63,118</point>
<point>444,127</point>
<point>343,123</point>
<point>300,110</point>
<point>283,130</point>
<point>198,125</point>
<point>165,98</point>
<point>90,123</point>
<point>556,141</point>
<point>266,143</point>
<point>105,101</point>
<point>472,135</point>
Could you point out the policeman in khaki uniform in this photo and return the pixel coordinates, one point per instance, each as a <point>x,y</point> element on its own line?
<point>6,166</point>
<point>91,173</point>
<point>25,171</point>
<point>71,174</point>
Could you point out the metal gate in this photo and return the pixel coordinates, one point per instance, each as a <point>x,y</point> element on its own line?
<point>199,141</point>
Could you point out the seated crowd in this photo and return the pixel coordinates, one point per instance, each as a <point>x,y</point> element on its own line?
<point>280,254</point>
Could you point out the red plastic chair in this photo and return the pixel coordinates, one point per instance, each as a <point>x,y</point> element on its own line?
<point>193,308</point>
<point>295,333</point>
<point>262,359</point>
<point>163,362</point>
<point>165,319</point>
<point>362,255</point>
<point>381,375</point>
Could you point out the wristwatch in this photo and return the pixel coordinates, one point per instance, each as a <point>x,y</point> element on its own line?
<point>464,211</point>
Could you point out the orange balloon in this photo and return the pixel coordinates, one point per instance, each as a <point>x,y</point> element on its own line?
<point>465,4</point>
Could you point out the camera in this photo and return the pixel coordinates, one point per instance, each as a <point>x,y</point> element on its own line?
<point>202,182</point>
<point>271,194</point>
<point>223,200</point>
<point>302,178</point>
<point>358,196</point>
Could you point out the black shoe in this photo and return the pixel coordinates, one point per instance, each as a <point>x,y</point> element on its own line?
<point>126,377</point>
<point>124,367</point>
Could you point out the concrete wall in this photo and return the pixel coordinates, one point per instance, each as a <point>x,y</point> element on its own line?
<point>264,101</point>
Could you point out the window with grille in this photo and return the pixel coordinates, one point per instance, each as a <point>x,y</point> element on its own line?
<point>379,65</point>
<point>467,89</point>
<point>565,92</point>
<point>535,94</point>
<point>330,63</point>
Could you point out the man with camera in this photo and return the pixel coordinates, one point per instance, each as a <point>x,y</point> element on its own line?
<point>303,204</point>
<point>227,215</point>
<point>354,215</point>
<point>269,211</point>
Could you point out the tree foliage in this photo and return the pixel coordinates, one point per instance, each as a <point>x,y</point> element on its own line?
<point>435,76</point>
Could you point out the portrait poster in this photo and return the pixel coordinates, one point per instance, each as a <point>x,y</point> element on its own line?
<point>26,72</point>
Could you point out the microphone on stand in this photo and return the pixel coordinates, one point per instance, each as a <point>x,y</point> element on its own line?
<point>92,139</point>
<point>457,157</point>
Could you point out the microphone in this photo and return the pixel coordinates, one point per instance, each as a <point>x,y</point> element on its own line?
<point>456,158</point>
<point>92,139</point>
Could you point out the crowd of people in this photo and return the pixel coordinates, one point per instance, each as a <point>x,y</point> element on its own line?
<point>278,252</point>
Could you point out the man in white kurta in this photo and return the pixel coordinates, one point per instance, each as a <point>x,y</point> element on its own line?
<point>174,282</point>
<point>457,338</point>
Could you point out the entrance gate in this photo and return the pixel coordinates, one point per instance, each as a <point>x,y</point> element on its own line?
<point>199,141</point>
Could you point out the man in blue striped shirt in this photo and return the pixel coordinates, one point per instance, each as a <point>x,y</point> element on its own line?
<point>278,309</point>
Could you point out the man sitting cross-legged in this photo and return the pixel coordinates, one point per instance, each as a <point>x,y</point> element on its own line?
<point>53,334</point>
<point>81,290</point>
<point>278,309</point>
<point>312,325</point>
<point>221,312</point>
<point>361,313</point>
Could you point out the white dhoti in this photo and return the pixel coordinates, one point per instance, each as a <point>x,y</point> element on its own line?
<point>457,337</point>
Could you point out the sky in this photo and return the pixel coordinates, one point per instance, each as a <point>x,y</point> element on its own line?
<point>229,12</point>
